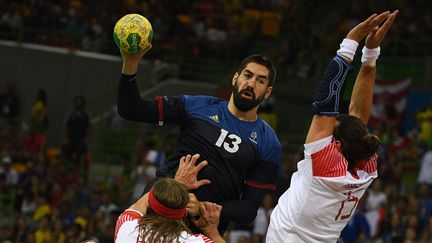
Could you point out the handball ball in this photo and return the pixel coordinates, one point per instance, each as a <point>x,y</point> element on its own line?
<point>133,33</point>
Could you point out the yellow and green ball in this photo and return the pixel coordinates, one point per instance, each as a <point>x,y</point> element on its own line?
<point>133,33</point>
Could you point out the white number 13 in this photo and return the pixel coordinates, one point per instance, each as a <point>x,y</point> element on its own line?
<point>233,145</point>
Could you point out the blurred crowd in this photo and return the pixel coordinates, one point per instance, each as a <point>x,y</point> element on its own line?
<point>291,32</point>
<point>46,194</point>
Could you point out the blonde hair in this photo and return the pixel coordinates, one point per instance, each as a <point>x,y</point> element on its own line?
<point>156,228</point>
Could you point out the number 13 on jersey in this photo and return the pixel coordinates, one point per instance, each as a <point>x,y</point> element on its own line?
<point>232,143</point>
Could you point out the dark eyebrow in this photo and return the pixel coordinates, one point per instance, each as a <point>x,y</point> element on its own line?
<point>260,76</point>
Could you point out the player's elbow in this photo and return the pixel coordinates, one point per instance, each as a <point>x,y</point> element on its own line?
<point>125,112</point>
<point>122,111</point>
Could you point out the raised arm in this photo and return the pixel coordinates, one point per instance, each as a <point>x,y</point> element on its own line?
<point>361,98</point>
<point>329,91</point>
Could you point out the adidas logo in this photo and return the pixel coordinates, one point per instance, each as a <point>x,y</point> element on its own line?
<point>214,118</point>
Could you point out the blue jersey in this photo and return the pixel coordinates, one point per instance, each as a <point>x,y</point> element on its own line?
<point>239,153</point>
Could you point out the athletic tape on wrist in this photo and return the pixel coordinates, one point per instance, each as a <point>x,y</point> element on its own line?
<point>369,56</point>
<point>348,48</point>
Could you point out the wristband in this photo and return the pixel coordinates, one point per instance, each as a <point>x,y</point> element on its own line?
<point>348,48</point>
<point>369,56</point>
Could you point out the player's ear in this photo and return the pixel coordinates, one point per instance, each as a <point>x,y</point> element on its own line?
<point>338,144</point>
<point>234,79</point>
<point>268,92</point>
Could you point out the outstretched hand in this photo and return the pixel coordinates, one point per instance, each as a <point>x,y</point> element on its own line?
<point>364,28</point>
<point>187,172</point>
<point>373,40</point>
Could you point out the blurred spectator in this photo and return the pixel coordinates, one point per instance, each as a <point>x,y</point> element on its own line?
<point>76,131</point>
<point>42,208</point>
<point>11,140</point>
<point>28,204</point>
<point>58,234</point>
<point>56,194</point>
<point>143,174</point>
<point>9,171</point>
<point>6,233</point>
<point>20,230</point>
<point>34,144</point>
<point>262,219</point>
<point>376,197</point>
<point>74,233</point>
<point>424,198</point>
<point>396,231</point>
<point>106,208</point>
<point>9,102</point>
<point>425,173</point>
<point>39,119</point>
<point>427,234</point>
<point>44,233</point>
<point>424,120</point>
<point>410,236</point>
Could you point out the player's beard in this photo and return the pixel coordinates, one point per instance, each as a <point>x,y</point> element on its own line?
<point>245,104</point>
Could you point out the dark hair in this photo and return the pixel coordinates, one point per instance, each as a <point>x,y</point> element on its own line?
<point>260,59</point>
<point>356,142</point>
<point>153,227</point>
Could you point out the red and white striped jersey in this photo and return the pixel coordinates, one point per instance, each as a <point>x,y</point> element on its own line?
<point>126,230</point>
<point>322,197</point>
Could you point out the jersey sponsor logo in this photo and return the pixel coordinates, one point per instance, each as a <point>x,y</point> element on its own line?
<point>253,137</point>
<point>214,118</point>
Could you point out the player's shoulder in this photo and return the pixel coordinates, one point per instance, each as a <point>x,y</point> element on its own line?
<point>268,132</point>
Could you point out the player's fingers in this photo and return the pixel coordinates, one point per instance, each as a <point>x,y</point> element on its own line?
<point>218,209</point>
<point>201,165</point>
<point>380,18</point>
<point>182,160</point>
<point>147,48</point>
<point>190,206</point>
<point>213,210</point>
<point>370,19</point>
<point>194,158</point>
<point>188,159</point>
<point>386,26</point>
<point>202,183</point>
<point>203,209</point>
<point>192,197</point>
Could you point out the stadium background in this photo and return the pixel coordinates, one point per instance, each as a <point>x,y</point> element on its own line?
<point>66,48</point>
